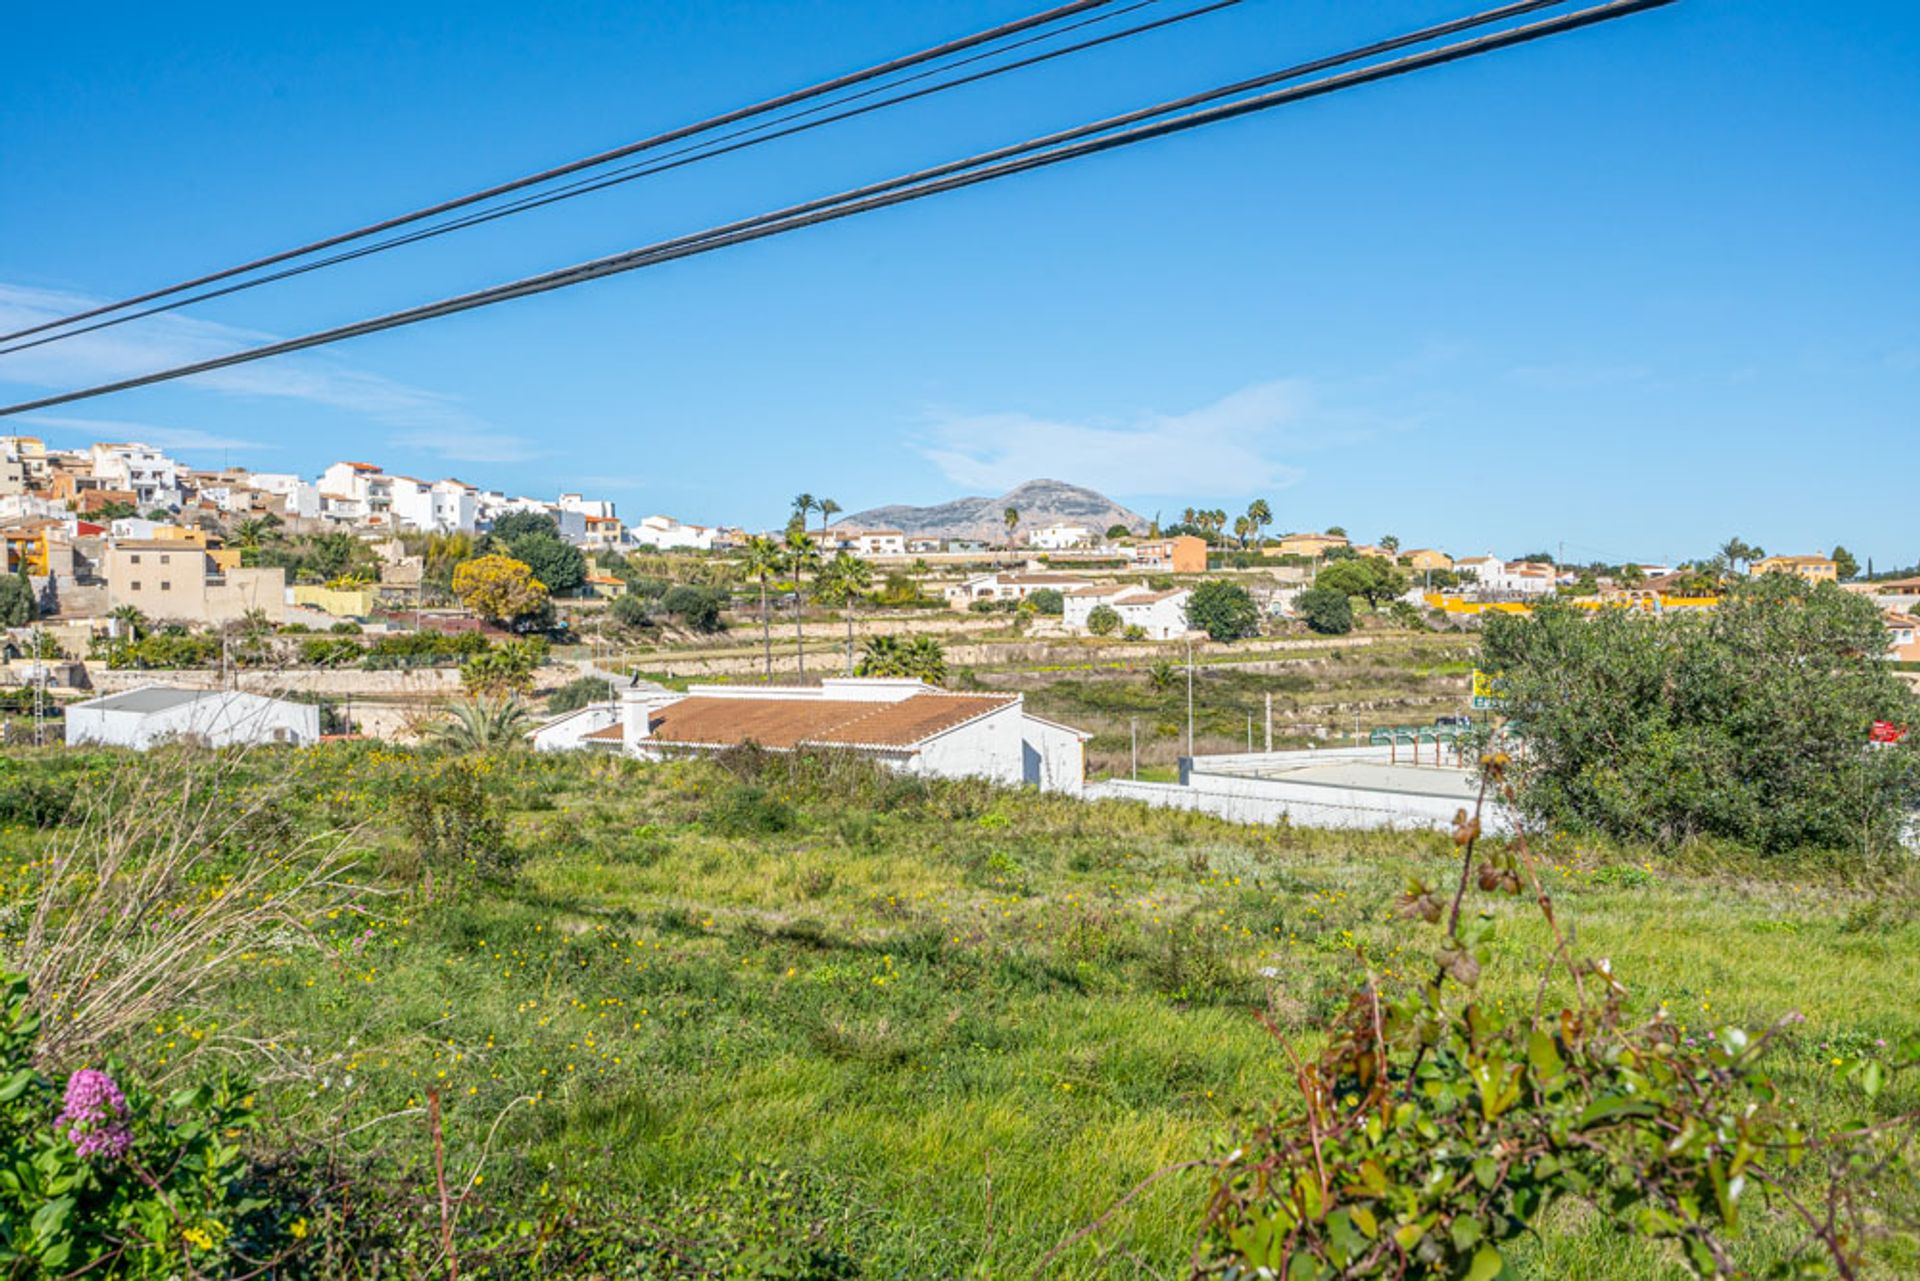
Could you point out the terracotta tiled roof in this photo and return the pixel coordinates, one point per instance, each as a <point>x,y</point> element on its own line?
<point>613,733</point>
<point>792,722</point>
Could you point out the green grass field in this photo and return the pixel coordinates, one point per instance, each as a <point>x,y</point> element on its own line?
<point>950,1026</point>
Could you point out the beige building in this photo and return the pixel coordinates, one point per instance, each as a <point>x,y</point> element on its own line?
<point>1425,558</point>
<point>1815,569</point>
<point>175,581</point>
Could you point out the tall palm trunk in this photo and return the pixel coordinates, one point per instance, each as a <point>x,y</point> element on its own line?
<point>849,635</point>
<point>799,629</point>
<point>766,628</point>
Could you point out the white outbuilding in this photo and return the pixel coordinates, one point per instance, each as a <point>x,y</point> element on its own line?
<point>154,714</point>
<point>902,724</point>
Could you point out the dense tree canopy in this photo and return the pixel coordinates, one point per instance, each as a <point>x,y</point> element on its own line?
<point>1222,610</point>
<point>1325,610</point>
<point>520,524</point>
<point>499,587</point>
<point>561,566</point>
<point>1369,577</point>
<point>1749,723</point>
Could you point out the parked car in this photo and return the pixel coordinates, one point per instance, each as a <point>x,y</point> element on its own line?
<point>1463,722</point>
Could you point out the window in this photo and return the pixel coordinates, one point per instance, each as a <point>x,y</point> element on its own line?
<point>166,559</point>
<point>134,559</point>
<point>166,586</point>
<point>135,586</point>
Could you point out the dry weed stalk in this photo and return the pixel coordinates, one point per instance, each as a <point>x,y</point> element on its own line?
<point>159,884</point>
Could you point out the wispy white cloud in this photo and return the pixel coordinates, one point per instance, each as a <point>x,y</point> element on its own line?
<point>1225,447</point>
<point>180,439</point>
<point>432,421</point>
<point>470,446</point>
<point>1576,375</point>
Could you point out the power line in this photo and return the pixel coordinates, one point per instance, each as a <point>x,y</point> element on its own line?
<point>784,100</point>
<point>676,159</point>
<point>951,177</point>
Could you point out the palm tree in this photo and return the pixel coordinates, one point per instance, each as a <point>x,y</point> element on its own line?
<point>251,532</point>
<point>1242,526</point>
<point>1391,543</point>
<point>482,725</point>
<point>828,509</point>
<point>841,583</point>
<point>1012,518</point>
<point>131,621</point>
<point>1260,512</point>
<point>1187,517</point>
<point>802,554</point>
<point>765,559</point>
<point>803,506</point>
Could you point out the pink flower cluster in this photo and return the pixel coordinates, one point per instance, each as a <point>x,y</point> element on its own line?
<point>95,1117</point>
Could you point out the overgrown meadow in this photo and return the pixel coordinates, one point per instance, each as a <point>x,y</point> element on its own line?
<point>799,1018</point>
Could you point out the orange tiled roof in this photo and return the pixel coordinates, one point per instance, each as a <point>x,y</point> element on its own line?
<point>613,733</point>
<point>792,722</point>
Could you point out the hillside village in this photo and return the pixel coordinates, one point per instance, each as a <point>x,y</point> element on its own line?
<point>156,599</point>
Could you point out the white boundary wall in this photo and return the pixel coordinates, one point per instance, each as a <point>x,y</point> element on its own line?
<point>1238,789</point>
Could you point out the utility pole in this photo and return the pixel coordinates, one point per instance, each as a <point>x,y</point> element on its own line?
<point>1269,720</point>
<point>1189,700</point>
<point>1249,731</point>
<point>1133,733</point>
<point>39,688</point>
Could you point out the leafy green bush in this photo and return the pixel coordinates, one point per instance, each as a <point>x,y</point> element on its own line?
<point>423,648</point>
<point>110,1178</point>
<point>1103,620</point>
<point>631,610</point>
<point>1325,610</point>
<point>697,608</point>
<point>1047,601</point>
<point>165,650</point>
<point>1748,724</point>
<point>576,694</point>
<point>922,658</point>
<point>456,822</point>
<point>1437,1128</point>
<point>331,651</point>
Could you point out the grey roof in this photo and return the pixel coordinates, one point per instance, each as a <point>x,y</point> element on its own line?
<point>150,698</point>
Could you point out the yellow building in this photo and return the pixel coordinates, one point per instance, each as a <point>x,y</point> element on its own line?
<point>1815,569</point>
<point>1305,544</point>
<point>1424,558</point>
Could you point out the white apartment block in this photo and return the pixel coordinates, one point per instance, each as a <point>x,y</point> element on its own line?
<point>435,507</point>
<point>153,477</point>
<point>1516,578</point>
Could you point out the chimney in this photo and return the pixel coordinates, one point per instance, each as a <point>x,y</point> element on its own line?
<point>637,706</point>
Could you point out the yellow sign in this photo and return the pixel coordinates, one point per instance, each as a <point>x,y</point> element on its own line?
<point>1486,689</point>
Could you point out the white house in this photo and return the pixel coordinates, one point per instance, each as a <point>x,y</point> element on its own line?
<point>153,714</point>
<point>1059,537</point>
<point>902,724</point>
<point>1161,615</point>
<point>573,730</point>
<point>434,507</point>
<point>299,498</point>
<point>666,533</point>
<point>1010,586</point>
<point>1518,578</point>
<point>868,542</point>
<point>153,477</point>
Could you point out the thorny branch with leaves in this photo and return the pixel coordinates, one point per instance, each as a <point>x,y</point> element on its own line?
<point>1436,1129</point>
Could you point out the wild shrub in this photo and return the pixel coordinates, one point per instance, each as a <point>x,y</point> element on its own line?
<point>173,867</point>
<point>1436,1129</point>
<point>1750,725</point>
<point>746,809</point>
<point>454,819</point>
<point>99,1175</point>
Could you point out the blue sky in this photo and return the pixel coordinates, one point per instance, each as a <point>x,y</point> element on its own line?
<point>1633,290</point>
